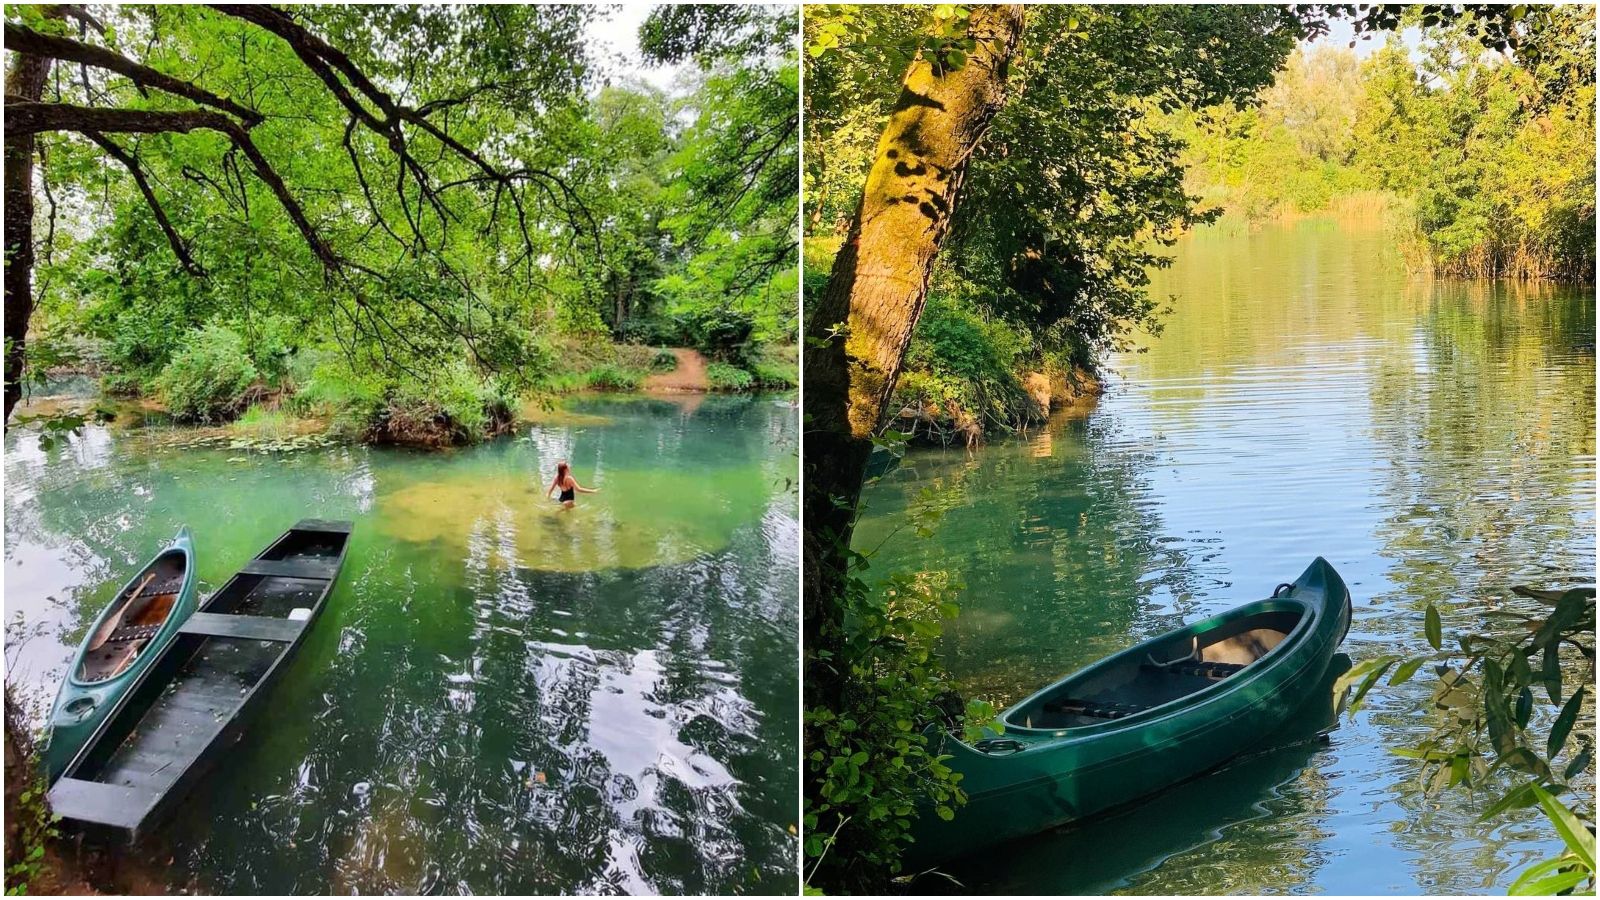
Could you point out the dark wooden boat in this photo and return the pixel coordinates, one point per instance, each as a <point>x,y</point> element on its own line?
<point>194,700</point>
<point>130,632</point>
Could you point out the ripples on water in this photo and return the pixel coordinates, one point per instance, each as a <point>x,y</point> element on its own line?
<point>1433,439</point>
<point>500,697</point>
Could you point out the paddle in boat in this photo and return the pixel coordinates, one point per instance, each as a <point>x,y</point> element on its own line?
<point>1162,712</point>
<point>121,643</point>
<point>192,703</point>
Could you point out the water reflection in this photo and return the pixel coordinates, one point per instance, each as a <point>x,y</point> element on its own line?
<point>489,704</point>
<point>1433,439</point>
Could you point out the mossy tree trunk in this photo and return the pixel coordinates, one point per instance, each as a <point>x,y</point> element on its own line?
<point>25,81</point>
<point>857,336</point>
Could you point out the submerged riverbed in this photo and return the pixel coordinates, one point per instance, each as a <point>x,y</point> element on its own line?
<point>1433,439</point>
<point>500,697</point>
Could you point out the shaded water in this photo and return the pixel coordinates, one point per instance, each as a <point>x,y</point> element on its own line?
<point>1434,440</point>
<point>500,697</point>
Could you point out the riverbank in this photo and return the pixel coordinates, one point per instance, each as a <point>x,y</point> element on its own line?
<point>323,404</point>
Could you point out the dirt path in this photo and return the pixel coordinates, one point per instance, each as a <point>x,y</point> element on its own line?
<point>690,375</point>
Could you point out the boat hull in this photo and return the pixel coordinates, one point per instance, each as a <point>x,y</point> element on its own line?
<point>1033,779</point>
<point>188,709</point>
<point>80,705</point>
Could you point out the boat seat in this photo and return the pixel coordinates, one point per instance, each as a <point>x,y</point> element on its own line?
<point>1095,709</point>
<point>324,569</point>
<point>113,805</point>
<point>170,586</point>
<point>133,633</point>
<point>253,628</point>
<point>1216,671</point>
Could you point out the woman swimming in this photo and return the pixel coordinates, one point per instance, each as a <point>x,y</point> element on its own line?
<point>570,488</point>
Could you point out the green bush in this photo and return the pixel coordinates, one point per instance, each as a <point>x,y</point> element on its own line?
<point>663,361</point>
<point>961,363</point>
<point>458,406</point>
<point>273,340</point>
<point>208,376</point>
<point>774,376</point>
<point>723,377</point>
<point>723,334</point>
<point>612,378</point>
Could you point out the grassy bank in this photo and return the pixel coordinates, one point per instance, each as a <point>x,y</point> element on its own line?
<point>223,391</point>
<point>969,375</point>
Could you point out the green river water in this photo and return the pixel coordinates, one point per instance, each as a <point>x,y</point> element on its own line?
<point>500,697</point>
<point>1433,439</point>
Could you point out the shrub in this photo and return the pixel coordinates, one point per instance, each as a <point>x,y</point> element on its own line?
<point>774,376</point>
<point>457,407</point>
<point>612,378</point>
<point>724,377</point>
<point>208,376</point>
<point>653,331</point>
<point>273,340</point>
<point>723,334</point>
<point>663,361</point>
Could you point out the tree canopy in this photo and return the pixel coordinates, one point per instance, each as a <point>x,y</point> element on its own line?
<point>397,197</point>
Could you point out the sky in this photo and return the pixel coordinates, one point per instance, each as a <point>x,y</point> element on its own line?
<point>615,37</point>
<point>1340,30</point>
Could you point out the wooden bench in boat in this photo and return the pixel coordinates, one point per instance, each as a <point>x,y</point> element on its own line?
<point>316,569</point>
<point>111,805</point>
<point>253,628</point>
<point>1095,709</point>
<point>133,633</point>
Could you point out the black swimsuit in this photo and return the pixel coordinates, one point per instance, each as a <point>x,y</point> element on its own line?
<point>567,495</point>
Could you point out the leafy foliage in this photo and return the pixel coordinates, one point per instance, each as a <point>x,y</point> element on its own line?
<point>1490,158</point>
<point>624,206</point>
<point>874,761</point>
<point>724,377</point>
<point>1507,704</point>
<point>208,376</point>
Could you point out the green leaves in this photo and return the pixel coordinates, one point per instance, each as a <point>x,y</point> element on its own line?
<point>1432,627</point>
<point>1364,674</point>
<point>1564,722</point>
<point>1577,836</point>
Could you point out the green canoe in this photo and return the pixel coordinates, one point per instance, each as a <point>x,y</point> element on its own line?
<point>130,633</point>
<point>1162,712</point>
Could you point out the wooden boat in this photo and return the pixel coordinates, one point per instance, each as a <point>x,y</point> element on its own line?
<point>1164,711</point>
<point>194,701</point>
<point>127,636</point>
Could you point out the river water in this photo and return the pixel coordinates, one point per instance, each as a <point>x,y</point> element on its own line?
<point>500,697</point>
<point>1433,439</point>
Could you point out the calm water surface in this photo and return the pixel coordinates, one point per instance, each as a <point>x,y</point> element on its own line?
<point>1434,440</point>
<point>500,697</point>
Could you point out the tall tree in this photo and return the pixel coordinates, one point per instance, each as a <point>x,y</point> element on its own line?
<point>435,146</point>
<point>858,334</point>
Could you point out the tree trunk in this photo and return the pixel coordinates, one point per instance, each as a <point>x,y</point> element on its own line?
<point>25,81</point>
<point>857,336</point>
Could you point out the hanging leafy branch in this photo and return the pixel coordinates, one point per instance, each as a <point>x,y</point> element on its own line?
<point>1504,708</point>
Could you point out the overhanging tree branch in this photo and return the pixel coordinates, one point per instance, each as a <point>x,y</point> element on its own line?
<point>22,39</point>
<point>131,163</point>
